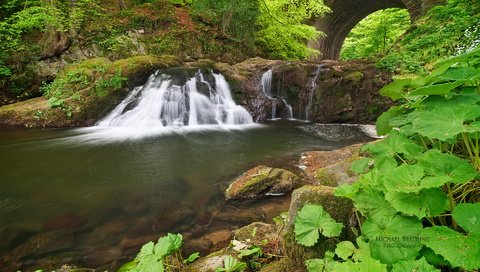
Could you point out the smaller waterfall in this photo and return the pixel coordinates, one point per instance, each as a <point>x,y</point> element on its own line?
<point>289,109</point>
<point>160,103</point>
<point>266,82</point>
<point>312,88</point>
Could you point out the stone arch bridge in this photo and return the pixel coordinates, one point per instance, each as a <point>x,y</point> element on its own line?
<point>347,13</point>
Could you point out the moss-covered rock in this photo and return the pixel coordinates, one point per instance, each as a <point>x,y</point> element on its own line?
<point>260,181</point>
<point>282,265</point>
<point>211,262</point>
<point>84,92</point>
<point>341,209</point>
<point>330,168</point>
<point>256,232</point>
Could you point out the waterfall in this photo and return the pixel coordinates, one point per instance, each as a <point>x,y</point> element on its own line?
<point>289,109</point>
<point>266,82</point>
<point>312,88</point>
<point>161,103</point>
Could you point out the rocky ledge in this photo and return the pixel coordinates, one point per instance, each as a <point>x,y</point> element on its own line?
<point>326,92</point>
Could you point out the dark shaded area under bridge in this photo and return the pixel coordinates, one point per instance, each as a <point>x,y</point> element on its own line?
<point>347,13</point>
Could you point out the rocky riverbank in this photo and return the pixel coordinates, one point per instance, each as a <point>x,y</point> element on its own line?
<point>326,92</point>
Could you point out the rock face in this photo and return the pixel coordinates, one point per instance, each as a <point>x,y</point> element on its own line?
<point>341,209</point>
<point>325,92</point>
<point>261,181</point>
<point>330,168</point>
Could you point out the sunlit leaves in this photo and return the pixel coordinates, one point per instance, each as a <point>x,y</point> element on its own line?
<point>230,264</point>
<point>439,164</point>
<point>312,220</point>
<point>425,203</point>
<point>151,255</point>
<point>445,123</point>
<point>459,250</point>
<point>386,234</point>
<point>467,216</point>
<point>414,266</point>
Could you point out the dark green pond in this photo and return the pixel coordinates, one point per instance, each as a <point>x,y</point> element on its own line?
<point>77,194</point>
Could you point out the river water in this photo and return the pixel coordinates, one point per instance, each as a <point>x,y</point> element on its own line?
<point>68,185</point>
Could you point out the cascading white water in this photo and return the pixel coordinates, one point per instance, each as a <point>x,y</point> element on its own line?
<point>160,103</point>
<point>312,88</point>
<point>266,82</point>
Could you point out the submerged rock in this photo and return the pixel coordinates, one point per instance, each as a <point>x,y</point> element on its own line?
<point>44,243</point>
<point>262,181</point>
<point>340,209</point>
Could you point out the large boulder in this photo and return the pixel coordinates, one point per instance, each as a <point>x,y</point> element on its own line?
<point>262,181</point>
<point>330,168</point>
<point>340,209</point>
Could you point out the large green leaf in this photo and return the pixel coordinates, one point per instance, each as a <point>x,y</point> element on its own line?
<point>459,250</point>
<point>147,249</point>
<point>395,143</point>
<point>370,201</point>
<point>312,220</point>
<point>320,265</point>
<point>361,165</point>
<point>437,89</point>
<point>231,264</point>
<point>467,216</point>
<point>410,178</point>
<point>439,164</point>
<point>467,97</point>
<point>149,263</point>
<point>446,123</point>
<point>168,244</point>
<point>345,249</point>
<point>404,178</point>
<point>425,203</point>
<point>420,265</point>
<point>383,125</point>
<point>367,265</point>
<point>389,237</point>
<point>395,89</point>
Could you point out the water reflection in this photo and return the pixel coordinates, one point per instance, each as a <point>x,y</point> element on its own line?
<point>116,194</point>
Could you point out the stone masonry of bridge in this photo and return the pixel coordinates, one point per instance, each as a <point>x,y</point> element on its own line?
<point>347,13</point>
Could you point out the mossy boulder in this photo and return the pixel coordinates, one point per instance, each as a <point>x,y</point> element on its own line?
<point>282,265</point>
<point>341,209</point>
<point>84,92</point>
<point>262,181</point>
<point>256,232</point>
<point>330,168</point>
<point>211,262</point>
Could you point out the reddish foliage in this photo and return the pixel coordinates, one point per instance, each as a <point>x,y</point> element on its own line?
<point>184,19</point>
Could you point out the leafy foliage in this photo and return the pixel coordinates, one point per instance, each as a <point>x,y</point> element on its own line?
<point>419,199</point>
<point>231,264</point>
<point>312,220</point>
<point>157,256</point>
<point>445,30</point>
<point>375,34</point>
<point>283,33</point>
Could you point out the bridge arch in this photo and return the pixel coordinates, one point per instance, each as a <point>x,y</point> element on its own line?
<point>348,13</point>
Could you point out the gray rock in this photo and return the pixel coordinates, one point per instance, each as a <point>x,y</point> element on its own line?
<point>262,181</point>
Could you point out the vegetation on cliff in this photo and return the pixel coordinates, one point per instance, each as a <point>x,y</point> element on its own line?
<point>38,38</point>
